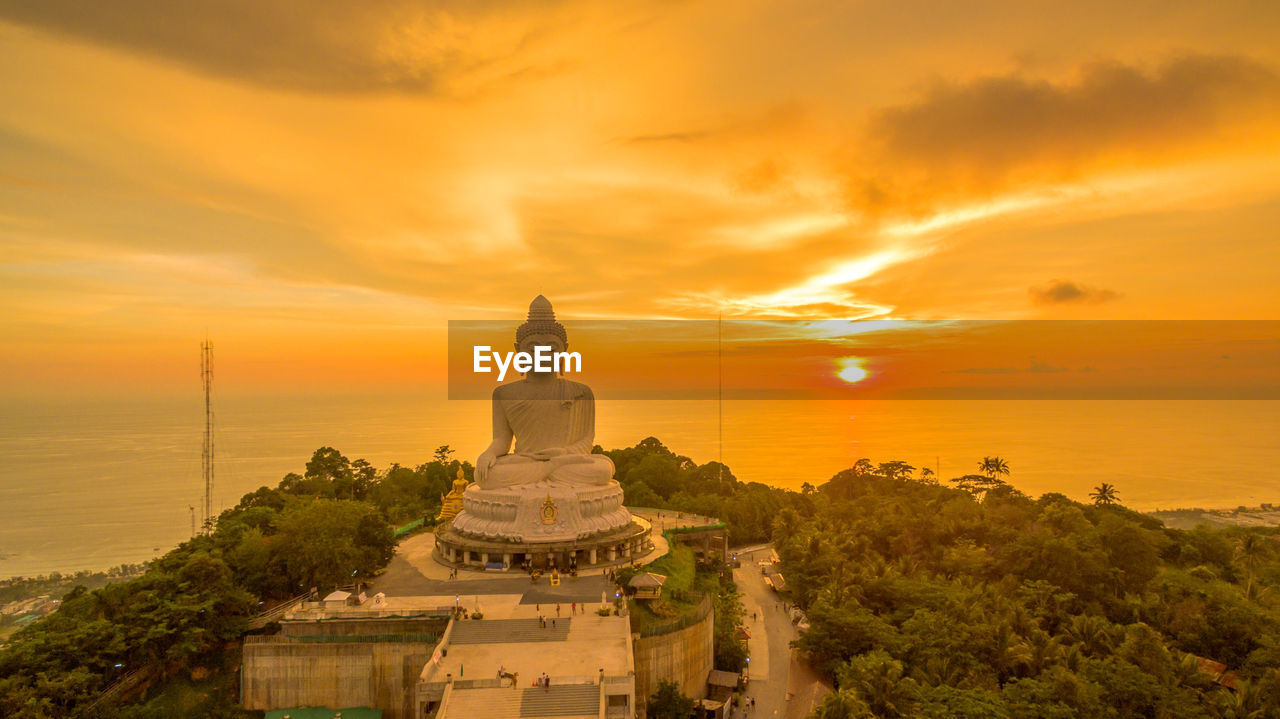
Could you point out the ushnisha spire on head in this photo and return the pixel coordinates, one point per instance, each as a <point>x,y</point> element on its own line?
<point>541,321</point>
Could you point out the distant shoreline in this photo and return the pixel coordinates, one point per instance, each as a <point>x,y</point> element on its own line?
<point>1265,515</point>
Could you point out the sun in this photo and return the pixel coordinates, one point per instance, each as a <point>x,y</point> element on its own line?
<point>851,369</point>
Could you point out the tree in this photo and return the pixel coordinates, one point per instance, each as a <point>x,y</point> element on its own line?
<point>991,466</point>
<point>843,704</point>
<point>443,454</point>
<point>661,474</point>
<point>320,543</point>
<point>839,632</point>
<point>895,470</point>
<point>1104,494</point>
<point>879,680</point>
<point>669,703</point>
<point>328,464</point>
<point>363,477</point>
<point>978,484</point>
<point>1250,553</point>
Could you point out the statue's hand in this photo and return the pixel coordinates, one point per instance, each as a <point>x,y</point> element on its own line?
<point>486,460</point>
<point>548,453</point>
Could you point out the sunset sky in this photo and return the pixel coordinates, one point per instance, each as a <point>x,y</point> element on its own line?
<point>321,186</point>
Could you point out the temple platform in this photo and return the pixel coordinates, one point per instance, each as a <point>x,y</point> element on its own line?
<point>629,543</point>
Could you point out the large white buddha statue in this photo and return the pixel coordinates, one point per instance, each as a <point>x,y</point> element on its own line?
<point>551,419</point>
<point>549,486</point>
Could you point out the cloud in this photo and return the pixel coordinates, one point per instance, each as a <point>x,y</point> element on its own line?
<point>688,136</point>
<point>1067,292</point>
<point>971,141</point>
<point>311,45</point>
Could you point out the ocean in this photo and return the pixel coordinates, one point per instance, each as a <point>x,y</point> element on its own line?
<point>93,483</point>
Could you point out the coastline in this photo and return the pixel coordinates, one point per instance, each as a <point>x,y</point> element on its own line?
<point>1265,515</point>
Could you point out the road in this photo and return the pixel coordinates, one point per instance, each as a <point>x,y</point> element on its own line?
<point>771,635</point>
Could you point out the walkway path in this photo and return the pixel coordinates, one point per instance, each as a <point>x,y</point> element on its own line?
<point>774,675</point>
<point>771,636</point>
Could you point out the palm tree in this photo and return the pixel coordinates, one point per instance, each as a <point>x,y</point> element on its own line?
<point>1105,494</point>
<point>1092,633</point>
<point>1250,552</point>
<point>1246,702</point>
<point>879,680</point>
<point>991,466</point>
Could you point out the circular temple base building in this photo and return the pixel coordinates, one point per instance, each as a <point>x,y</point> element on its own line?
<point>542,526</point>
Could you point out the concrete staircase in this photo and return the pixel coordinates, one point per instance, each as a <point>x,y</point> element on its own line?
<point>501,631</point>
<point>569,700</point>
<point>558,701</point>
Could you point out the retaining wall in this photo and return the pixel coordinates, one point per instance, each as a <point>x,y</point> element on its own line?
<point>280,673</point>
<point>683,656</point>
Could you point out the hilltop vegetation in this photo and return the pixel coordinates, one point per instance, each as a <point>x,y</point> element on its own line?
<point>327,527</point>
<point>924,600</point>
<point>929,601</point>
<point>653,476</point>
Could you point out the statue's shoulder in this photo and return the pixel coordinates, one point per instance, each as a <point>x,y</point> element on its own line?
<point>577,390</point>
<point>504,391</point>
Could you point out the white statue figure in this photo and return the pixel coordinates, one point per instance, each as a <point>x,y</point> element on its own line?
<point>548,487</point>
<point>551,419</point>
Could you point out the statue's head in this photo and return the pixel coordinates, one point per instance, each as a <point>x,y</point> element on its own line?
<point>541,328</point>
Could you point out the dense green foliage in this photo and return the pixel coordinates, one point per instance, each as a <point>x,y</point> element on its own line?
<point>928,601</point>
<point>730,648</point>
<point>211,697</point>
<point>653,476</point>
<point>325,528</point>
<point>669,703</point>
<point>923,600</point>
<point>402,494</point>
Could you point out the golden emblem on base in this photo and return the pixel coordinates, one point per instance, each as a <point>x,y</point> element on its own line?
<point>548,512</point>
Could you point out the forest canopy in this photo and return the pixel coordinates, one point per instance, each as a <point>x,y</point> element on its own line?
<point>924,599</point>
<point>978,601</point>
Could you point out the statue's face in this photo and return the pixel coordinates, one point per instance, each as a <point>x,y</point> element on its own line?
<point>533,341</point>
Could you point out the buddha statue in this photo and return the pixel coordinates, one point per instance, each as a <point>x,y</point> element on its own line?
<point>551,419</point>
<point>538,481</point>
<point>451,503</point>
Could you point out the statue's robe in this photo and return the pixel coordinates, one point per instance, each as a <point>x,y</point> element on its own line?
<point>566,421</point>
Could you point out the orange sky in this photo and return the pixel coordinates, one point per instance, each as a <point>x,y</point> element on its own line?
<point>320,186</point>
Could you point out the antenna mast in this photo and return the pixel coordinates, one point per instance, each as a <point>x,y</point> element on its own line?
<point>206,376</point>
